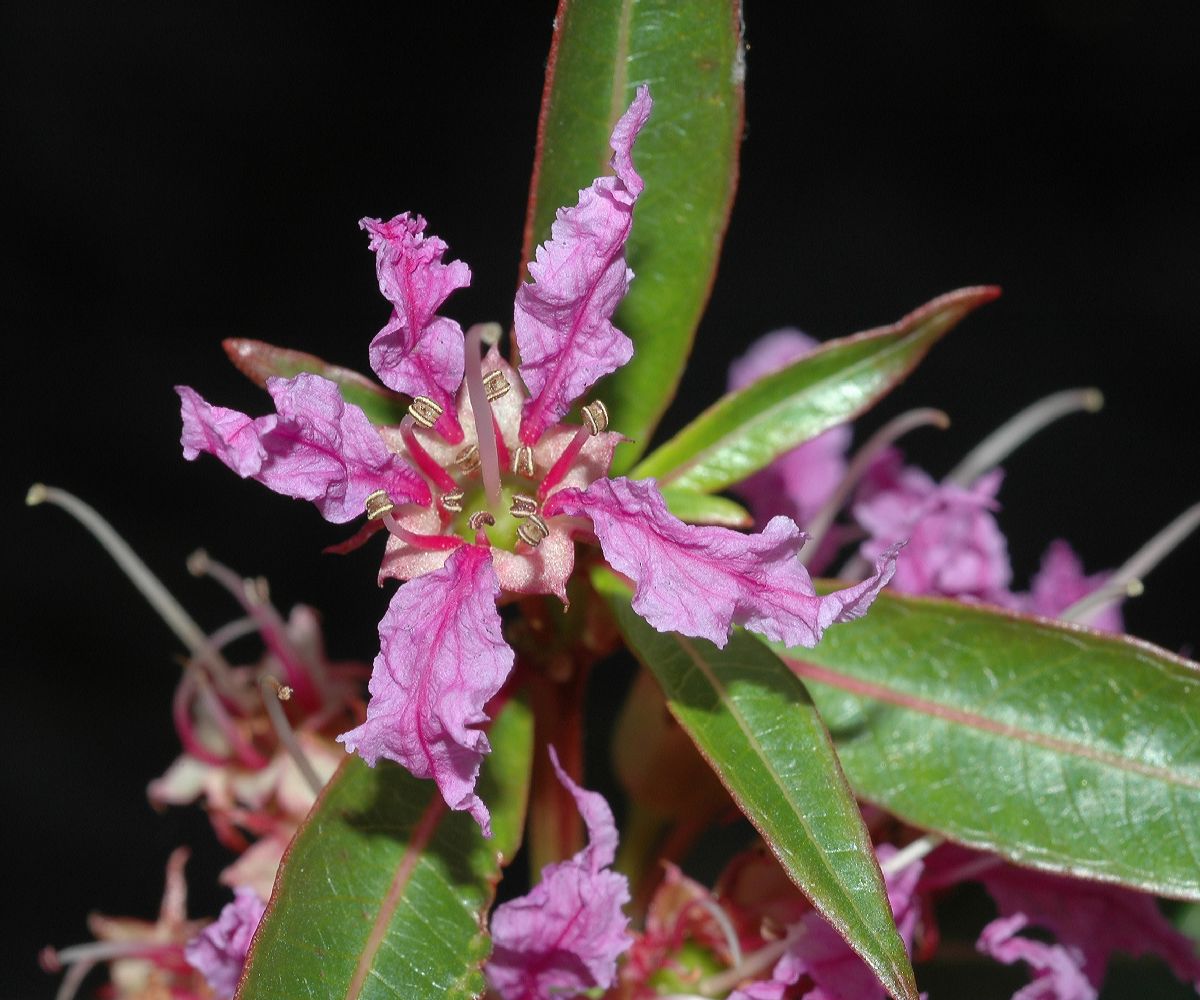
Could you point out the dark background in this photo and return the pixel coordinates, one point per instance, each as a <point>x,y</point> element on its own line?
<point>179,174</point>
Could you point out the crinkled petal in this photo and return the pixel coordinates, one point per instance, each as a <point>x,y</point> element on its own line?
<point>565,935</point>
<point>417,352</point>
<point>562,320</point>
<point>700,581</point>
<point>441,660</point>
<point>219,951</point>
<point>1061,581</point>
<point>955,547</point>
<point>1058,971</point>
<point>317,447</point>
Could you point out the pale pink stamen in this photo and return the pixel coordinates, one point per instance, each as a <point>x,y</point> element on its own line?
<point>303,677</point>
<point>560,468</point>
<point>431,543</point>
<point>272,694</point>
<point>425,462</point>
<point>485,437</point>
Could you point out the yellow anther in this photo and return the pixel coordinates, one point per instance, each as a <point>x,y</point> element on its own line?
<point>522,462</point>
<point>595,415</point>
<point>495,384</point>
<point>479,519</point>
<point>523,505</point>
<point>453,501</point>
<point>424,411</point>
<point>378,504</point>
<point>532,530</point>
<point>468,459</point>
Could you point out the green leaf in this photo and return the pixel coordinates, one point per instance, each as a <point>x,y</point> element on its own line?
<point>703,508</point>
<point>747,430</point>
<point>384,891</point>
<point>690,52</point>
<point>258,361</point>
<point>754,723</point>
<point>1052,745</point>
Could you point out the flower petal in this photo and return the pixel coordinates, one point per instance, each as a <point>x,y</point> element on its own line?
<point>417,352</point>
<point>441,660</point>
<point>1058,972</point>
<point>563,320</point>
<point>318,447</point>
<point>564,936</point>
<point>955,547</point>
<point>219,951</point>
<point>700,581</point>
<point>1061,581</point>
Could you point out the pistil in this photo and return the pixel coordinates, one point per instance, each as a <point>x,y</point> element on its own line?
<point>481,407</point>
<point>1003,441</point>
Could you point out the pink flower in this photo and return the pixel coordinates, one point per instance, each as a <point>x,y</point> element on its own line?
<point>1057,970</point>
<point>1061,582</point>
<point>564,937</point>
<point>955,548</point>
<point>219,951</point>
<point>492,490</point>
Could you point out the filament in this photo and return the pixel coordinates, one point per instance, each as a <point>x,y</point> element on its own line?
<point>425,461</point>
<point>1014,432</point>
<point>271,694</point>
<point>431,543</point>
<point>564,461</point>
<point>911,853</point>
<point>750,967</point>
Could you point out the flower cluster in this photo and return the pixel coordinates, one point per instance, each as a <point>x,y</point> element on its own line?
<point>483,490</point>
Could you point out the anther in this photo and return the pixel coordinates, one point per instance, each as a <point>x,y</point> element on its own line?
<point>595,415</point>
<point>495,384</point>
<point>523,505</point>
<point>425,411</point>
<point>522,463</point>
<point>532,530</point>
<point>453,501</point>
<point>468,459</point>
<point>378,504</point>
<point>479,519</point>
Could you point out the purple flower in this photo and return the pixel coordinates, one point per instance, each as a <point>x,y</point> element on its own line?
<point>482,490</point>
<point>1061,582</point>
<point>219,951</point>
<point>1057,971</point>
<point>955,548</point>
<point>564,936</point>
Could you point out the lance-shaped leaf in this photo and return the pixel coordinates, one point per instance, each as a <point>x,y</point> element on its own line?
<point>259,361</point>
<point>385,892</point>
<point>745,431</point>
<point>690,52</point>
<point>704,508</point>
<point>1057,747</point>
<point>756,726</point>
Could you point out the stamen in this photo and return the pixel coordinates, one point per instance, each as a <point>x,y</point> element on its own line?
<point>481,410</point>
<point>1003,441</point>
<point>496,385</point>
<point>425,411</point>
<point>714,910</point>
<point>149,585</point>
<point>595,415</point>
<point>431,543</point>
<point>750,967</point>
<point>523,505</point>
<point>1084,611</point>
<point>378,504</point>
<point>890,432</point>
<point>468,459</point>
<point>1143,561</point>
<point>479,520</point>
<point>305,672</point>
<point>911,853</point>
<point>425,462</point>
<point>272,695</point>
<point>532,530</point>
<point>522,462</point>
<point>452,501</point>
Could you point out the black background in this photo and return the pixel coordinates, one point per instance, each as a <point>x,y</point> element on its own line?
<point>180,173</point>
